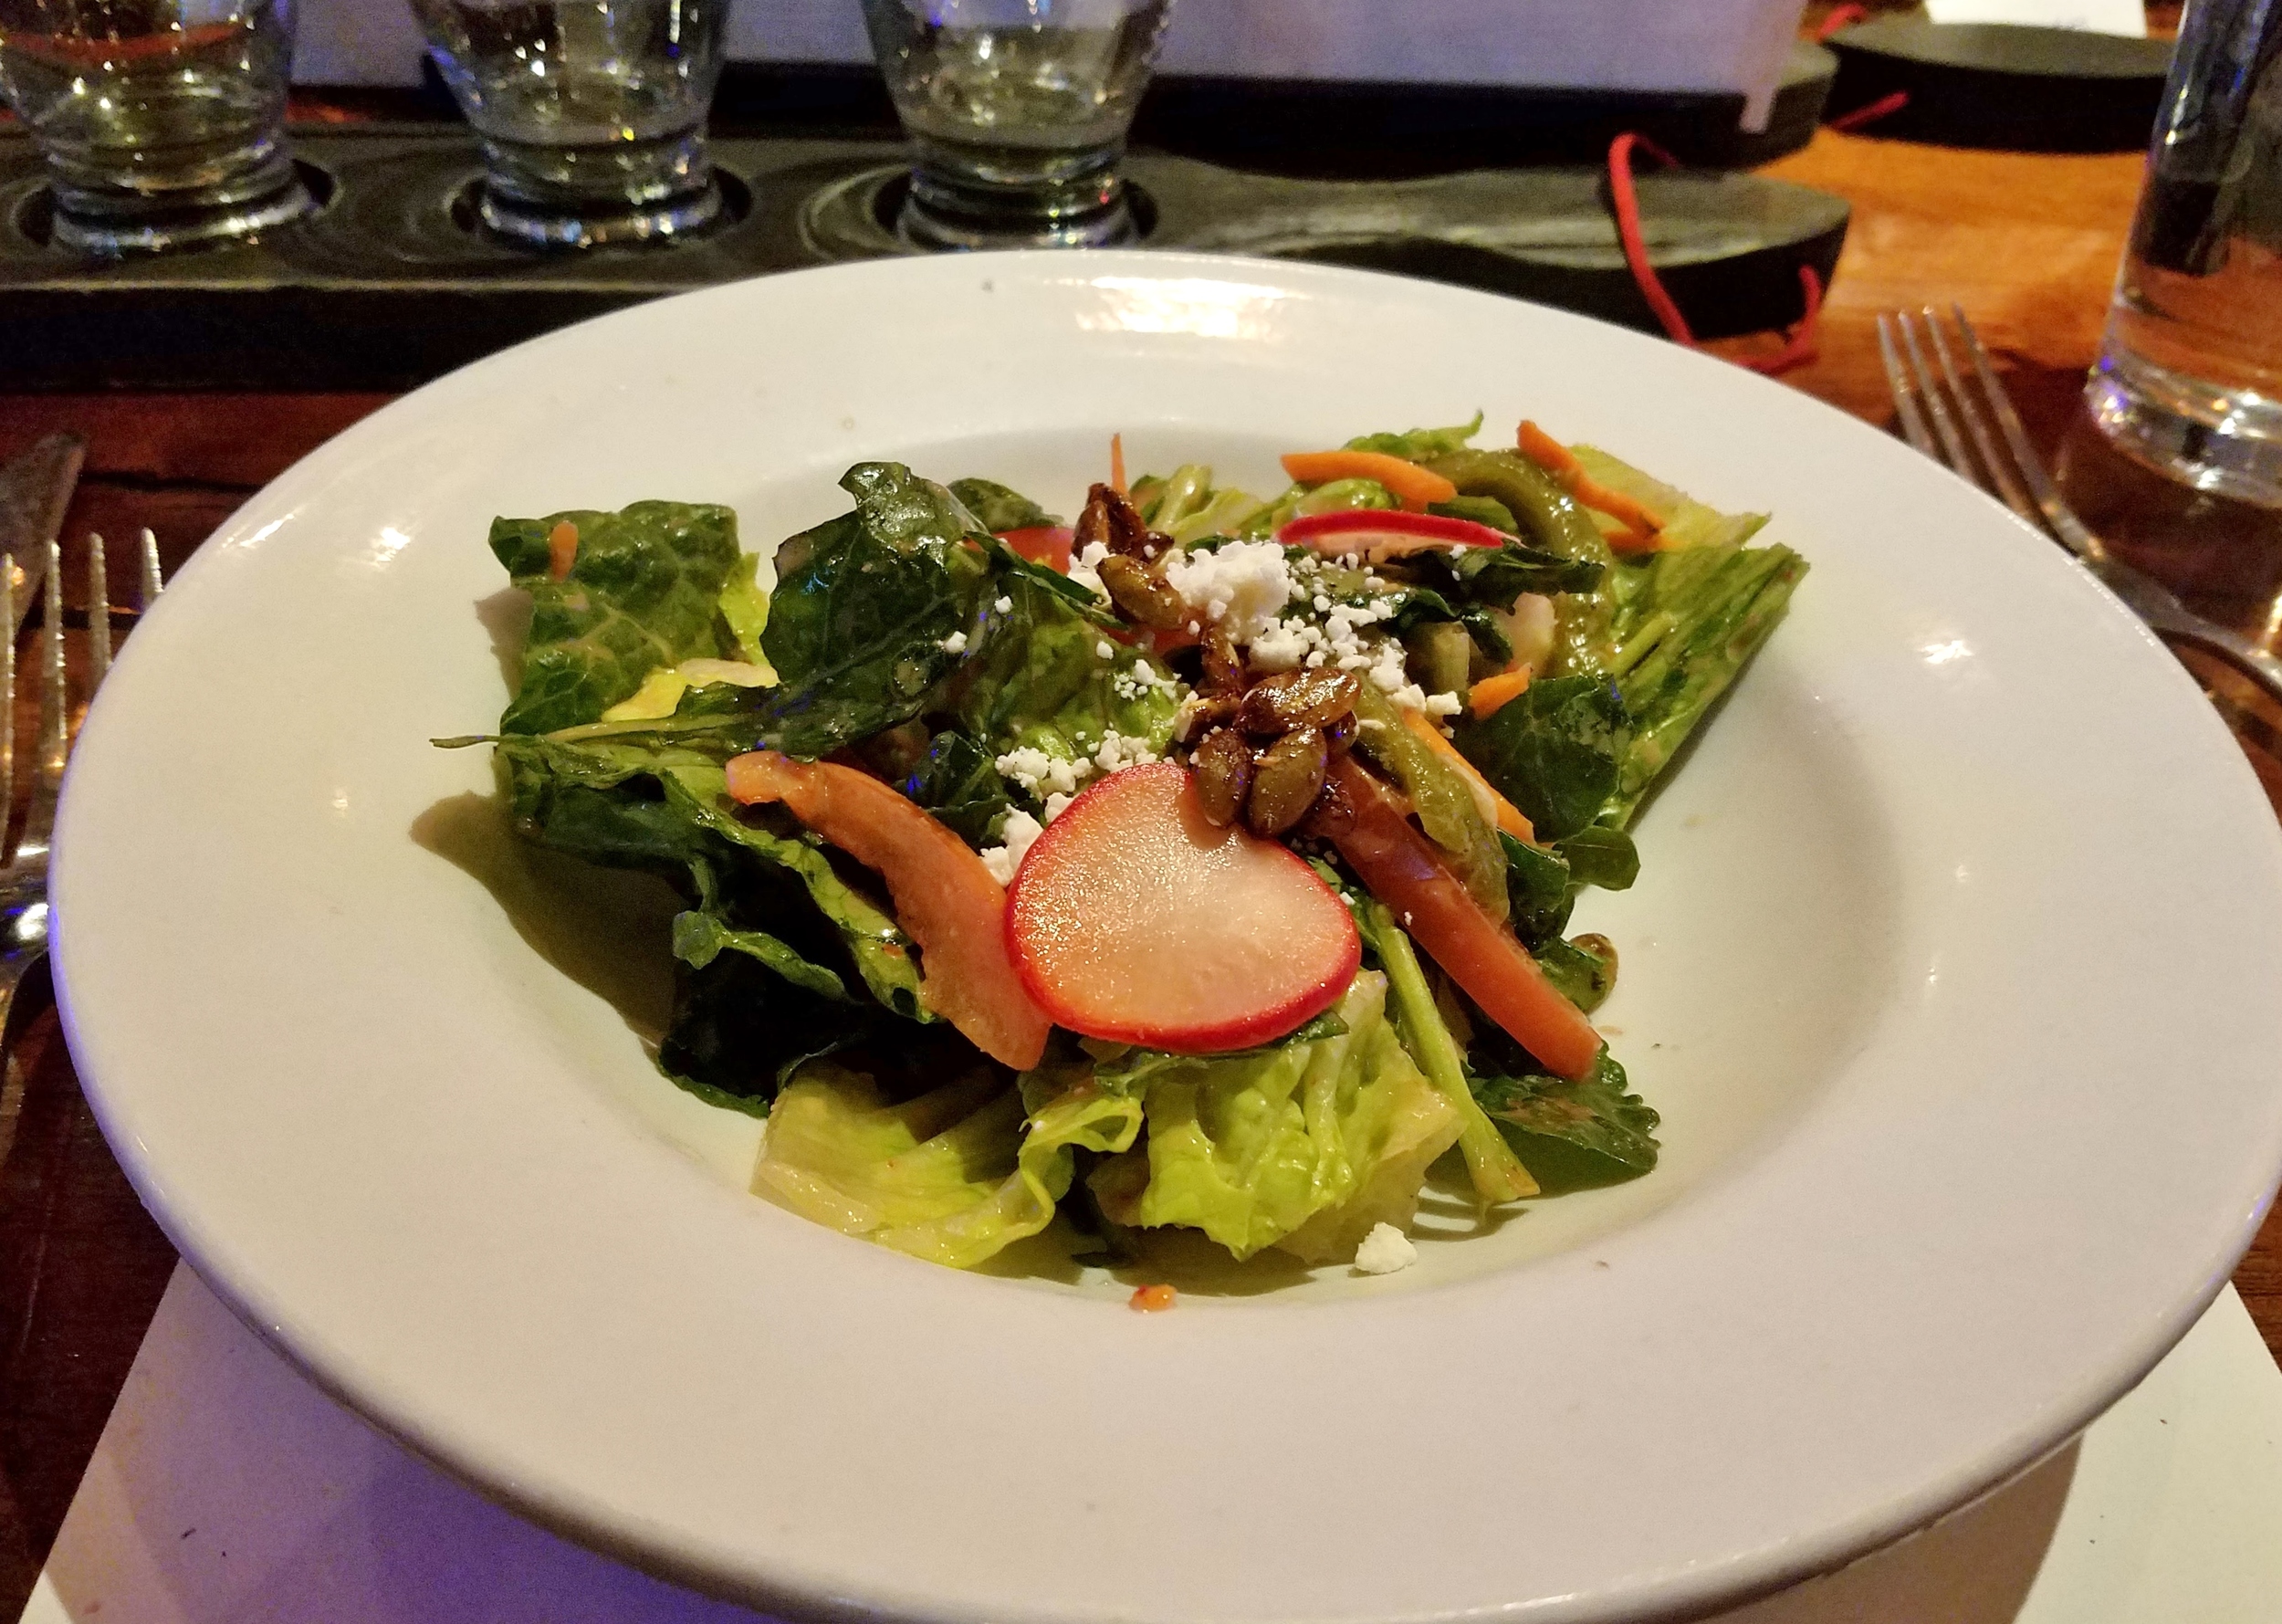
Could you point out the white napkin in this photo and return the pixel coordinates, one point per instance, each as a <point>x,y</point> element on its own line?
<point>226,1490</point>
<point>2098,17</point>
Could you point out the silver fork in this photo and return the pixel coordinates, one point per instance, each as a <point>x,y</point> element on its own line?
<point>24,882</point>
<point>2014,474</point>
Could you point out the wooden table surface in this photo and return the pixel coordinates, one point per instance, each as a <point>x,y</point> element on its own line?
<point>2028,244</point>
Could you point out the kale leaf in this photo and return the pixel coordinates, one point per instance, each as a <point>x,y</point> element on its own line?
<point>864,606</point>
<point>999,509</point>
<point>1574,1135</point>
<point>644,592</point>
<point>959,782</point>
<point>1554,750</point>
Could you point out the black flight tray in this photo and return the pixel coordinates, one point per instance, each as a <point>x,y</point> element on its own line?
<point>393,281</point>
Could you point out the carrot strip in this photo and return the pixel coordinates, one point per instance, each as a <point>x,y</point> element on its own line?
<point>1492,692</point>
<point>1548,453</point>
<point>1414,486</point>
<point>1641,523</point>
<point>1510,818</point>
<point>1117,465</point>
<point>562,551</point>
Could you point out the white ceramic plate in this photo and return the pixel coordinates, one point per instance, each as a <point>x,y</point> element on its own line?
<point>1951,968</point>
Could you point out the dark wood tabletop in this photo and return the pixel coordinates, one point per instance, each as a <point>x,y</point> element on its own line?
<point>2028,244</point>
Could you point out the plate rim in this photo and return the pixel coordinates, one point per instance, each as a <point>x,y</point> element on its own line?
<point>1738,1579</point>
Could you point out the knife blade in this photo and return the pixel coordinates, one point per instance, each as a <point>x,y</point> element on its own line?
<point>35,489</point>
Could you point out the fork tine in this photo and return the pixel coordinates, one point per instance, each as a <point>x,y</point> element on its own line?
<point>151,582</point>
<point>54,714</point>
<point>99,613</point>
<point>1904,389</point>
<point>39,813</point>
<point>1944,425</point>
<point>7,704</point>
<point>1977,424</point>
<point>2055,512</point>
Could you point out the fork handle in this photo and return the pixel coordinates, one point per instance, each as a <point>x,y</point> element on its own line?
<point>15,962</point>
<point>2169,619</point>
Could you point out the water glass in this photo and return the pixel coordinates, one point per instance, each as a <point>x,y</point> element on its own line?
<point>2190,373</point>
<point>1017,113</point>
<point>591,113</point>
<point>162,120</point>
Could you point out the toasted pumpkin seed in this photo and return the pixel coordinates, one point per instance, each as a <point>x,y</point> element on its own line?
<point>1223,766</point>
<point>1286,778</point>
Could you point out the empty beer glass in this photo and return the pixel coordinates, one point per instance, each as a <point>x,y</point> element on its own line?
<point>162,120</point>
<point>2190,374</point>
<point>592,113</point>
<point>1017,112</point>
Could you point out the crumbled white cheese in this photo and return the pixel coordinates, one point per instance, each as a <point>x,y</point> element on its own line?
<point>956,644</point>
<point>1145,675</point>
<point>1104,651</point>
<point>1034,769</point>
<point>1385,1250</point>
<point>1004,606</point>
<point>1016,833</point>
<point>1056,804</point>
<point>1282,646</point>
<point>1242,584</point>
<point>1442,705</point>
<point>1086,568</point>
<point>1118,752</point>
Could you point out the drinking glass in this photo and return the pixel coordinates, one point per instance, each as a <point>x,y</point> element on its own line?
<point>2190,372</point>
<point>1017,113</point>
<point>162,120</point>
<point>591,113</point>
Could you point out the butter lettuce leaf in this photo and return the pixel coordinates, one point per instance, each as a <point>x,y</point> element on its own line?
<point>1327,1136</point>
<point>644,591</point>
<point>954,1176</point>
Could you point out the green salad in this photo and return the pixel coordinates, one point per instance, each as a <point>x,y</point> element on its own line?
<point>1202,864</point>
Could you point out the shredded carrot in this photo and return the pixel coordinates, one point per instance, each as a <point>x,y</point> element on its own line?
<point>1641,523</point>
<point>1510,818</point>
<point>562,551</point>
<point>1493,691</point>
<point>1117,465</point>
<point>1548,453</point>
<point>1414,486</point>
<point>1152,1299</point>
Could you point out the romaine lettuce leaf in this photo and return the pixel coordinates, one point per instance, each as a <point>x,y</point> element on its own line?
<point>1676,627</point>
<point>644,591</point>
<point>1041,682</point>
<point>1419,443</point>
<point>1497,1174</point>
<point>953,1176</point>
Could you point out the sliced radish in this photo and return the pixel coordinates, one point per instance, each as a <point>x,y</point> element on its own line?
<point>944,895</point>
<point>1133,920</point>
<point>1380,533</point>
